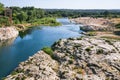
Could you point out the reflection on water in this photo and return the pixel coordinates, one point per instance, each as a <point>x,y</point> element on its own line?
<point>8,42</point>
<point>22,34</point>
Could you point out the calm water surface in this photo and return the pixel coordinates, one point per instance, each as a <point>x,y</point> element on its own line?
<point>31,41</point>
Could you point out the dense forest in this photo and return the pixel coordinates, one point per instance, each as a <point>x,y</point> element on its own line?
<point>44,16</point>
<point>82,13</point>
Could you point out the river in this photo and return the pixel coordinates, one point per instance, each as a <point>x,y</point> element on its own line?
<point>31,41</point>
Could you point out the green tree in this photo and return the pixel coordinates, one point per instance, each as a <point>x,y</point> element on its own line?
<point>22,16</point>
<point>106,13</point>
<point>4,21</point>
<point>1,8</point>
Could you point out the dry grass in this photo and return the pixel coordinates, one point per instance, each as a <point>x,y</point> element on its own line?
<point>115,20</point>
<point>111,37</point>
<point>107,34</point>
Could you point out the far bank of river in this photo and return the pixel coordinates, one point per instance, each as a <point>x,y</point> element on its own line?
<point>39,22</point>
<point>31,41</point>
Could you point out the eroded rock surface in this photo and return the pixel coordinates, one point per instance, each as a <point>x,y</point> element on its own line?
<point>88,58</point>
<point>93,24</point>
<point>38,67</point>
<point>84,58</point>
<point>8,33</point>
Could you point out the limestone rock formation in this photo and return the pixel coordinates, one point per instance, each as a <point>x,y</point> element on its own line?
<point>84,58</point>
<point>8,33</point>
<point>38,67</point>
<point>88,58</point>
<point>94,24</point>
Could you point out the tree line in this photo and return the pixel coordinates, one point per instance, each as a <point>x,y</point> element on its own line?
<point>83,13</point>
<point>31,14</point>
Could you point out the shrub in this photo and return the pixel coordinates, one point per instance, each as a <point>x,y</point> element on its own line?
<point>91,33</point>
<point>14,73</point>
<point>88,49</point>
<point>4,21</point>
<point>117,25</point>
<point>70,38</point>
<point>100,51</point>
<point>48,50</point>
<point>70,61</point>
<point>109,42</point>
<point>80,38</point>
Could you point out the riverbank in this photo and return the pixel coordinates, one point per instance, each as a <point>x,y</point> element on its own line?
<point>12,31</point>
<point>38,22</point>
<point>73,58</point>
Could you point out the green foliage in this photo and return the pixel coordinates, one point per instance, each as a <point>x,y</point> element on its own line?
<point>100,51</point>
<point>109,42</point>
<point>46,21</point>
<point>117,25</point>
<point>82,13</point>
<point>88,49</point>
<point>14,73</point>
<point>1,8</point>
<point>91,33</point>
<point>111,37</point>
<point>71,61</point>
<point>38,16</point>
<point>4,21</point>
<point>48,50</point>
<point>26,14</point>
<point>22,16</point>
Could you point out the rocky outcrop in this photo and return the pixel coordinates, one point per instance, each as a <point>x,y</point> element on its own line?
<point>20,27</point>
<point>94,24</point>
<point>88,58</point>
<point>38,67</point>
<point>84,58</point>
<point>8,33</point>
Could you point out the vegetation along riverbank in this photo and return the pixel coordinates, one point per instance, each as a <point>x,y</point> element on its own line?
<point>25,17</point>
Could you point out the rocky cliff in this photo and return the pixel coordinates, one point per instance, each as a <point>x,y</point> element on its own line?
<point>8,33</point>
<point>84,58</point>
